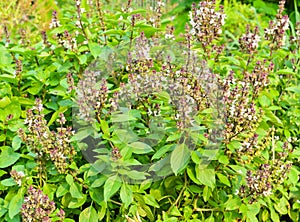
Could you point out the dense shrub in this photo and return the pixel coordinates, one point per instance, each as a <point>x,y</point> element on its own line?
<point>114,115</point>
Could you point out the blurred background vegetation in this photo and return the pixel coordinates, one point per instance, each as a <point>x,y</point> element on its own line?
<point>26,17</point>
<point>30,17</point>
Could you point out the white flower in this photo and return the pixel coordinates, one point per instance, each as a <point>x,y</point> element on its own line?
<point>269,31</point>
<point>169,36</point>
<point>267,192</point>
<point>120,18</point>
<point>193,32</point>
<point>82,10</point>
<point>152,19</point>
<point>21,174</point>
<point>160,3</point>
<point>236,192</point>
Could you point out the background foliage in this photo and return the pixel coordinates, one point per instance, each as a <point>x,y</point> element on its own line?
<point>41,76</point>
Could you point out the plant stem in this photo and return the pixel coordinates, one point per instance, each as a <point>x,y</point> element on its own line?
<point>180,194</point>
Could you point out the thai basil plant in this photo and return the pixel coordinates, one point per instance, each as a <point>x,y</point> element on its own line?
<point>114,115</point>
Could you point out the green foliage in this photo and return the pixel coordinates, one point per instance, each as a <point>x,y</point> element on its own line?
<point>235,157</point>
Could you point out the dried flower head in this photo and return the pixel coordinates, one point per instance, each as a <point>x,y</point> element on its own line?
<point>70,81</point>
<point>37,206</point>
<point>206,21</point>
<point>17,176</point>
<point>45,39</point>
<point>249,41</point>
<point>277,28</point>
<point>296,39</point>
<point>263,181</point>
<point>54,22</point>
<point>241,113</point>
<point>170,33</point>
<point>68,41</point>
<point>91,98</point>
<point>47,144</point>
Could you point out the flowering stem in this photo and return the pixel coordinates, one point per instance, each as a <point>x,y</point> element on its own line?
<point>273,144</point>
<point>100,13</point>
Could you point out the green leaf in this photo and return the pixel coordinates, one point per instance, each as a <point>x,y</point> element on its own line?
<point>124,136</point>
<point>26,101</point>
<point>58,91</point>
<point>8,182</point>
<point>174,137</point>
<point>264,101</point>
<point>234,145</point>
<point>295,89</point>
<point>175,212</point>
<point>102,212</point>
<point>192,175</point>
<point>104,128</point>
<point>293,175</point>
<point>270,116</point>
<point>119,118</point>
<point>2,172</point>
<point>5,57</point>
<point>254,208</point>
<point>75,203</point>
<point>5,90</point>
<point>83,133</point>
<point>8,157</point>
<point>150,200</point>
<point>113,32</point>
<point>35,88</point>
<point>206,193</point>
<point>164,149</point>
<point>97,195</point>
<point>8,78</point>
<point>274,215</point>
<point>111,186</point>
<point>180,158</point>
<point>16,142</point>
<point>265,215</point>
<point>233,203</point>
<point>140,148</point>
<point>145,210</point>
<point>15,205</point>
<point>196,189</point>
<point>95,49</point>
<point>89,214</point>
<point>49,190</point>
<point>136,175</point>
<point>4,102</point>
<point>75,191</point>
<point>210,219</point>
<point>2,137</point>
<point>62,189</point>
<point>223,179</point>
<point>206,176</point>
<point>285,71</point>
<point>69,179</point>
<point>126,194</point>
<point>281,207</point>
<point>238,169</point>
<point>82,59</point>
<point>99,181</point>
<point>223,159</point>
<point>251,217</point>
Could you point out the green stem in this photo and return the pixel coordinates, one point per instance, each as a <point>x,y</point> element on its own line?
<point>206,209</point>
<point>180,194</point>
